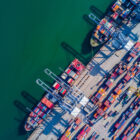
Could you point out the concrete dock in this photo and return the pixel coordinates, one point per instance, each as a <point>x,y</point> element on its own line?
<point>89,82</point>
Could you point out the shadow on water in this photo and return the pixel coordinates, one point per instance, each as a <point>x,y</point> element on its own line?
<point>29,97</point>
<point>48,82</point>
<point>86,18</point>
<point>21,130</point>
<point>73,52</point>
<point>97,12</point>
<point>109,7</point>
<point>86,47</point>
<point>21,107</point>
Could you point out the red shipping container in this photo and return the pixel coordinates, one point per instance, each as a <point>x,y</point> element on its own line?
<point>46,102</point>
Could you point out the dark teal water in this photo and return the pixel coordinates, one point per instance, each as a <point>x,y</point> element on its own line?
<point>31,35</point>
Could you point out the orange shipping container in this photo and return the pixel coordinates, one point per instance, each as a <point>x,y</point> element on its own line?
<point>105,108</point>
<point>78,121</point>
<point>119,91</point>
<point>114,96</point>
<point>64,138</point>
<point>115,8</point>
<point>98,27</point>
<point>46,102</point>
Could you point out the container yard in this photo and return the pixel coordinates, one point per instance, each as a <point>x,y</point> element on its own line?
<point>102,99</point>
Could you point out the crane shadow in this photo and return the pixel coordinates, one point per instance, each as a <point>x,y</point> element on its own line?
<point>29,97</point>
<point>97,11</point>
<point>86,47</point>
<point>54,118</point>
<point>89,21</point>
<point>21,107</point>
<point>73,52</point>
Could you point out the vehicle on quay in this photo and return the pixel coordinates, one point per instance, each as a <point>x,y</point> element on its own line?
<point>72,128</point>
<point>94,136</point>
<point>84,132</point>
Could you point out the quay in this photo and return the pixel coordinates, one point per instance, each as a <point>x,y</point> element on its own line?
<point>99,100</point>
<point>88,82</point>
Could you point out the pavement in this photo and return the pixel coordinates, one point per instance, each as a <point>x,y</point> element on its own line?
<point>88,82</point>
<point>100,125</point>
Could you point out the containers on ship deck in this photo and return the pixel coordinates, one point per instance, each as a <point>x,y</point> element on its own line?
<point>122,9</point>
<point>46,102</point>
<point>104,30</point>
<point>61,90</point>
<point>70,75</point>
<point>40,112</point>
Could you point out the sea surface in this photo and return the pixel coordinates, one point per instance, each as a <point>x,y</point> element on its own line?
<point>34,35</point>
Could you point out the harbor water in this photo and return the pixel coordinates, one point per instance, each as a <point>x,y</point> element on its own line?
<point>36,35</point>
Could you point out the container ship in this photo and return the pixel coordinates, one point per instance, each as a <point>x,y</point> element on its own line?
<point>62,85</point>
<point>119,12</point>
<point>69,76</point>
<point>39,113</point>
<point>103,31</point>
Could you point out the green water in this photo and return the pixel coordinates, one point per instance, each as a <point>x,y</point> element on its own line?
<point>31,36</point>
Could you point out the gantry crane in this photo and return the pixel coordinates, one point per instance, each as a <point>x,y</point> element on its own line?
<point>63,102</point>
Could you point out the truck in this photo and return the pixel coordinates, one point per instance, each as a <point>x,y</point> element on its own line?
<point>72,128</point>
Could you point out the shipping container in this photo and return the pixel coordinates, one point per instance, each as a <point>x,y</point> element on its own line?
<point>83,133</point>
<point>46,102</point>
